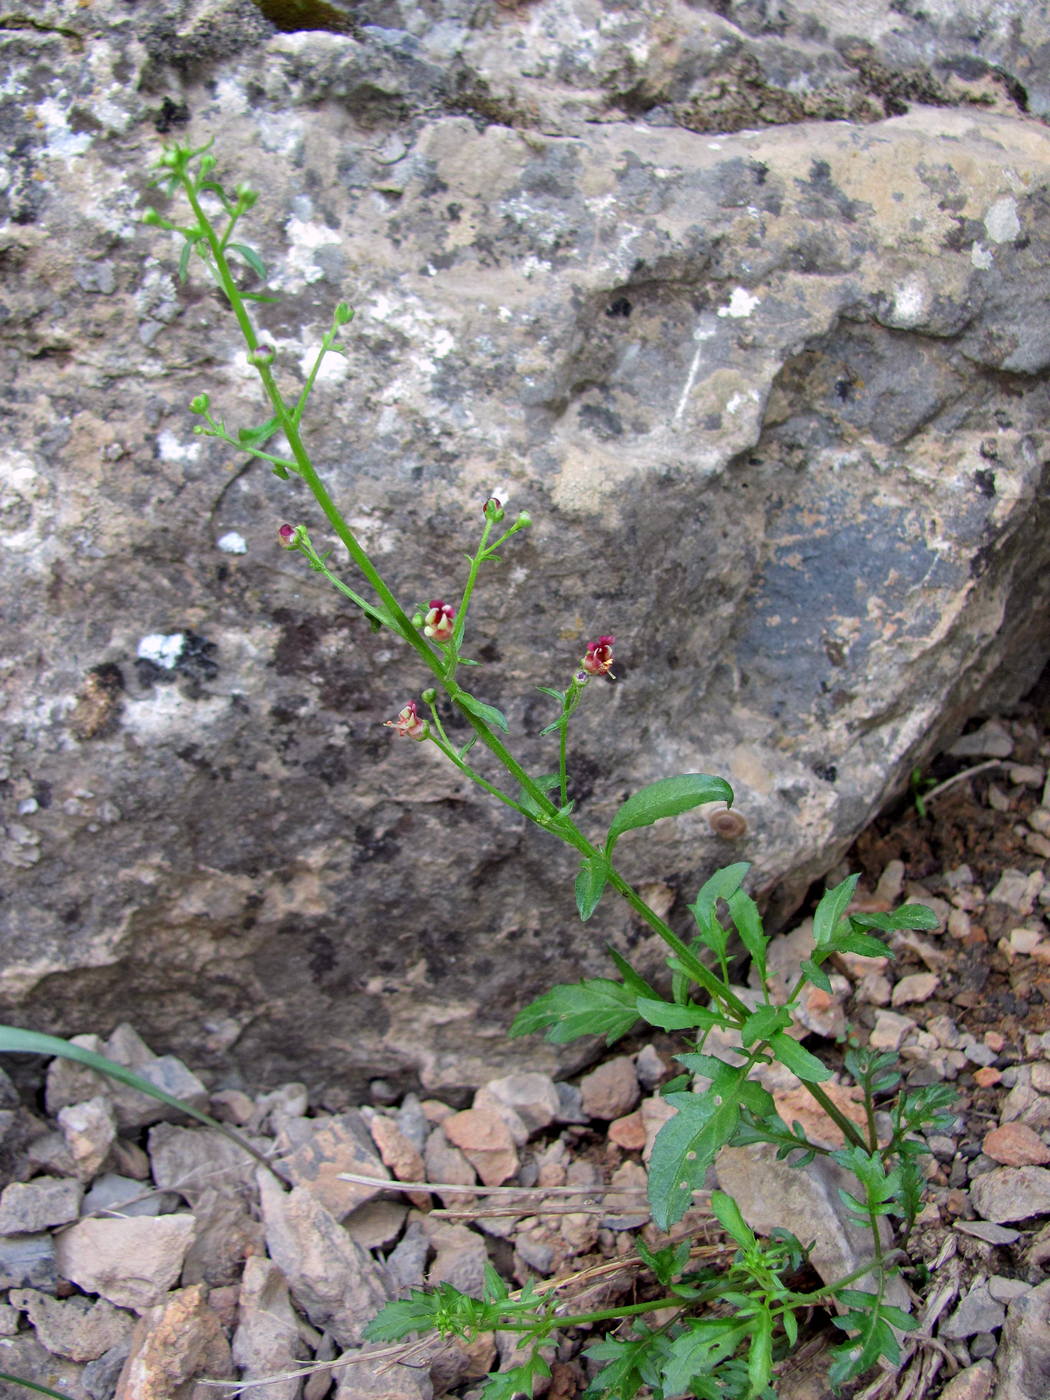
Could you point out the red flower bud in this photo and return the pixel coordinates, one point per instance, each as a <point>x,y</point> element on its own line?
<point>287,535</point>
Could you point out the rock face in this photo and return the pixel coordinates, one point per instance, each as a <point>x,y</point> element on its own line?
<point>749,312</point>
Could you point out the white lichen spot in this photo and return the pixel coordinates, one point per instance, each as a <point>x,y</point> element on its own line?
<point>305,237</point>
<point>173,449</point>
<point>232,543</point>
<point>162,649</point>
<point>61,141</point>
<point>741,303</point>
<point>980,256</point>
<point>1001,222</point>
<point>910,302</point>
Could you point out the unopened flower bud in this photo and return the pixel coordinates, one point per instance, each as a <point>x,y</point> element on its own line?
<point>524,518</point>
<point>263,356</point>
<point>493,510</point>
<point>438,622</point>
<point>429,696</point>
<point>288,536</point>
<point>200,404</point>
<point>599,658</point>
<point>409,724</point>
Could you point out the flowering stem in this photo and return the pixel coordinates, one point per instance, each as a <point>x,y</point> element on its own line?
<point>393,615</point>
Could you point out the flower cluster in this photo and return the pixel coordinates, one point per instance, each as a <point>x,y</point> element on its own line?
<point>599,658</point>
<point>409,724</point>
<point>437,624</point>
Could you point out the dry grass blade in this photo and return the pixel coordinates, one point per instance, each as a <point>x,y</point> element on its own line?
<point>457,1188</point>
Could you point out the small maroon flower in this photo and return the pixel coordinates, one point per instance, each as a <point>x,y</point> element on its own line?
<point>438,621</point>
<point>287,536</point>
<point>599,658</point>
<point>409,723</point>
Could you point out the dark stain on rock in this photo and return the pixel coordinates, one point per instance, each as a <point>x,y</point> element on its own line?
<point>370,846</point>
<point>984,479</point>
<point>297,16</point>
<point>321,956</point>
<point>170,116</point>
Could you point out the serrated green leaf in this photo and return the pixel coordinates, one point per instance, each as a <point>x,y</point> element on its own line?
<point>416,1313</point>
<point>253,437</point>
<point>667,798</point>
<point>597,1006</point>
<point>686,1146</point>
<point>908,916</point>
<point>829,911</point>
<point>518,1380</point>
<point>815,974</point>
<point>797,1059</point>
<point>727,1213</point>
<point>625,1361</point>
<point>863,943</point>
<point>251,257</point>
<point>496,1289</point>
<point>764,1022</point>
<point>590,884</point>
<point>632,980</point>
<point>760,1352</point>
<point>758,1100</point>
<point>705,1344</point>
<point>748,923</point>
<point>481,711</point>
<point>673,1016</point>
<point>722,884</point>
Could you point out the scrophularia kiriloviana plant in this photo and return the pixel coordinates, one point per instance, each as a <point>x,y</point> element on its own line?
<point>677,1345</point>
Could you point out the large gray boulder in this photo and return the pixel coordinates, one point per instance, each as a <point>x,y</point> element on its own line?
<point>771,386</point>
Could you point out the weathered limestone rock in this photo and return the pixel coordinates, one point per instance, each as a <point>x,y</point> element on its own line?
<point>750,313</point>
<point>266,1342</point>
<point>338,1284</point>
<point>131,1262</point>
<point>175,1342</point>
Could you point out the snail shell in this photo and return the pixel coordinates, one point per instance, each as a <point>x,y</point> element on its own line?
<point>727,825</point>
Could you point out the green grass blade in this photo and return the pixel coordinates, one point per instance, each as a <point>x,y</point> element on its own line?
<point>15,1041</point>
<point>32,1385</point>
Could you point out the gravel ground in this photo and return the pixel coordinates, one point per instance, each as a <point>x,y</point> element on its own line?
<point>214,1270</point>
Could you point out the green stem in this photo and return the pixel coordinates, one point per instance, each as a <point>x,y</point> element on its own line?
<point>846,1126</point>
<point>563,775</point>
<point>459,627</point>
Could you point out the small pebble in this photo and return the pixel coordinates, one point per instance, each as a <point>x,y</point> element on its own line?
<point>998,800</point>
<point>1027,775</point>
<point>628,1132</point>
<point>986,1076</point>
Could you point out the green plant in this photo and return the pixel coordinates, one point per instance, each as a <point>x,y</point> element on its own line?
<point>690,1348</point>
<point>920,786</point>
